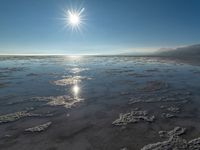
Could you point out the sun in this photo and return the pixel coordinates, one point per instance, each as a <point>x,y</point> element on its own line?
<point>74,19</point>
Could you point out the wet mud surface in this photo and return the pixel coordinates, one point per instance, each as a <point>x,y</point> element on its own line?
<point>99,103</point>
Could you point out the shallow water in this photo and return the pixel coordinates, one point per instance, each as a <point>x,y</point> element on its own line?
<point>83,96</point>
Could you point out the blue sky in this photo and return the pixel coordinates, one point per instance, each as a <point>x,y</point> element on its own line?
<point>111,26</point>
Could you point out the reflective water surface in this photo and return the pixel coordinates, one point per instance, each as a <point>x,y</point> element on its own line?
<point>95,102</point>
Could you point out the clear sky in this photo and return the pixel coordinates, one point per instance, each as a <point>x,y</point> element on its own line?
<point>110,26</point>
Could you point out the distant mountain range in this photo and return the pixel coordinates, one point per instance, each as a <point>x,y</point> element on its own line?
<point>191,51</point>
<point>186,51</point>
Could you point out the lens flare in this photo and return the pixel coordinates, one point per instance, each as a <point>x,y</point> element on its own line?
<point>74,19</point>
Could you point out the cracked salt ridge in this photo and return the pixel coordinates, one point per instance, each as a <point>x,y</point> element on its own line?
<point>69,80</point>
<point>133,117</point>
<point>174,141</point>
<point>16,116</point>
<point>39,128</point>
<point>64,100</point>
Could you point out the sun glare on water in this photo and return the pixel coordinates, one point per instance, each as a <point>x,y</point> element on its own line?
<point>76,89</point>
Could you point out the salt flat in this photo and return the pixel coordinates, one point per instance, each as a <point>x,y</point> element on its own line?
<point>98,103</point>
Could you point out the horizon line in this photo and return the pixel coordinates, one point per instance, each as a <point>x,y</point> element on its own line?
<point>73,55</point>
<point>46,54</point>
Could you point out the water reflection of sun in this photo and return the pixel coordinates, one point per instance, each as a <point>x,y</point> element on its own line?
<point>76,89</point>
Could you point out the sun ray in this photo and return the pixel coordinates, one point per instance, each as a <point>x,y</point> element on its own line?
<point>74,19</point>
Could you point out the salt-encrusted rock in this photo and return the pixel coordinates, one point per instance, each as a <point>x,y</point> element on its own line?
<point>69,80</point>
<point>194,144</point>
<point>124,93</point>
<point>177,131</point>
<point>63,100</point>
<point>174,141</point>
<point>39,128</point>
<point>8,136</point>
<point>173,109</point>
<point>162,107</point>
<point>124,148</point>
<point>49,115</point>
<point>133,117</point>
<point>15,116</point>
<point>29,108</point>
<point>167,115</point>
<point>136,109</point>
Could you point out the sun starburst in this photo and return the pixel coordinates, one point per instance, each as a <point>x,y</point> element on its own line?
<point>74,19</point>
